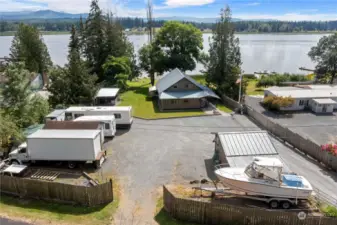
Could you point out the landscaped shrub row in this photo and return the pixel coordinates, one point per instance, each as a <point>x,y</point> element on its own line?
<point>276,102</point>
<point>278,79</point>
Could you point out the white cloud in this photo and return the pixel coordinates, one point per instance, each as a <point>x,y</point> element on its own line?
<point>170,4</point>
<point>288,17</point>
<point>11,5</point>
<point>252,4</point>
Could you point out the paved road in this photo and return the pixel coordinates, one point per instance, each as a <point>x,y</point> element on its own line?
<point>4,221</point>
<point>159,152</point>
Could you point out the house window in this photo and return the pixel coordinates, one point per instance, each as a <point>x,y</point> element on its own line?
<point>174,101</point>
<point>186,86</point>
<point>118,115</point>
<point>107,126</point>
<point>302,102</point>
<point>185,100</point>
<point>175,86</point>
<point>78,115</point>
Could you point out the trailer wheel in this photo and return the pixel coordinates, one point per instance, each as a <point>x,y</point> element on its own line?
<point>273,204</point>
<point>285,205</point>
<point>97,164</point>
<point>71,165</point>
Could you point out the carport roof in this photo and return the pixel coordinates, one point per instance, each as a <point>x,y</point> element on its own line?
<point>246,143</point>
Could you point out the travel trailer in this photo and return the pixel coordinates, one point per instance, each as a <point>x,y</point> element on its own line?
<point>123,114</point>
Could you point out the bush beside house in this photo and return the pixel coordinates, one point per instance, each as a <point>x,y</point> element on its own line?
<point>276,102</point>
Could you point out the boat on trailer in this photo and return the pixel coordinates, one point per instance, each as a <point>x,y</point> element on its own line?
<point>264,178</point>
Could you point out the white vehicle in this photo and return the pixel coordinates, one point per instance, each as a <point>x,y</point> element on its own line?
<point>56,115</point>
<point>123,114</point>
<point>264,177</point>
<point>109,123</point>
<point>70,146</point>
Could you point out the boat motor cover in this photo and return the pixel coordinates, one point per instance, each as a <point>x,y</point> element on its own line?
<point>292,180</point>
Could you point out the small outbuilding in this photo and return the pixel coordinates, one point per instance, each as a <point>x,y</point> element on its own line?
<point>322,105</point>
<point>238,149</point>
<point>107,97</point>
<point>56,115</point>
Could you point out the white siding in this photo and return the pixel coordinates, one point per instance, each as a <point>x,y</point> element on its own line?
<point>97,146</point>
<point>61,149</point>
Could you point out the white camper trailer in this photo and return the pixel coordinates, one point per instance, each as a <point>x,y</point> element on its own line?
<point>123,114</point>
<point>56,115</point>
<point>109,123</point>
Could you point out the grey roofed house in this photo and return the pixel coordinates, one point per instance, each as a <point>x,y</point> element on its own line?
<point>238,149</point>
<point>179,91</point>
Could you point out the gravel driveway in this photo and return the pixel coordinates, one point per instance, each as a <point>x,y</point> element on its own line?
<point>157,152</point>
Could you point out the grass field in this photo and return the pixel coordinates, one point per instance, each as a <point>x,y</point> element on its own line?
<point>35,210</point>
<point>252,89</point>
<point>145,107</point>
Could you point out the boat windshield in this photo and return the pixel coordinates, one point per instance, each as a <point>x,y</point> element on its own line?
<point>255,172</point>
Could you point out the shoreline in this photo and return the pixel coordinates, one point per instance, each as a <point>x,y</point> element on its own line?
<point>12,33</point>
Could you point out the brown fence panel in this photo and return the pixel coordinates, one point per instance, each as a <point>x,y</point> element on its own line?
<point>214,213</point>
<point>59,192</point>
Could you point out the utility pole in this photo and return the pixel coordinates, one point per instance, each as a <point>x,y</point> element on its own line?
<point>149,12</point>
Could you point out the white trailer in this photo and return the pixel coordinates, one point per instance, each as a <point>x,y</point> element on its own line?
<point>109,128</point>
<point>70,146</point>
<point>123,114</point>
<point>56,115</point>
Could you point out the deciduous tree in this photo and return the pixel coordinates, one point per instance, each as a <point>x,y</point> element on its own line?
<point>181,45</point>
<point>325,55</point>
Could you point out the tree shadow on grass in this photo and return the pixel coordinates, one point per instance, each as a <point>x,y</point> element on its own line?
<point>41,205</point>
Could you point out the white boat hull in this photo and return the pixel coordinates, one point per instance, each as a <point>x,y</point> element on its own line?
<point>237,180</point>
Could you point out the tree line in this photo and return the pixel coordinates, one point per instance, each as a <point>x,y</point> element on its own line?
<point>132,22</point>
<point>100,55</point>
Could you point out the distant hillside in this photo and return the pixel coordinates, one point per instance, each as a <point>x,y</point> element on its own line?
<point>41,14</point>
<point>49,14</point>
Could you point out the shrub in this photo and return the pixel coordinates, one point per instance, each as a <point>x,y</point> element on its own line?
<point>278,79</point>
<point>277,102</point>
<point>330,211</point>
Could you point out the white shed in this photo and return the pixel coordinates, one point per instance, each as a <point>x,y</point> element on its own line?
<point>322,105</point>
<point>107,97</point>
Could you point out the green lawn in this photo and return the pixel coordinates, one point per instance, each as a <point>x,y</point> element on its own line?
<point>252,89</point>
<point>223,108</point>
<point>57,213</point>
<point>144,106</point>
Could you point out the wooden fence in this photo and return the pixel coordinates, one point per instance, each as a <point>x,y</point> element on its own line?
<point>59,192</point>
<point>304,145</point>
<point>230,102</point>
<point>214,213</point>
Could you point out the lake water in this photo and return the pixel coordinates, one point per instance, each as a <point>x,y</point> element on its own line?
<point>272,52</point>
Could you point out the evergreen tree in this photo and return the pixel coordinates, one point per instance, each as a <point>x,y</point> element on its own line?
<point>74,84</point>
<point>29,47</point>
<point>94,46</point>
<point>223,67</point>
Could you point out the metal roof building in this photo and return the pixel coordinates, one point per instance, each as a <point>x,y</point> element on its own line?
<point>238,149</point>
<point>107,92</point>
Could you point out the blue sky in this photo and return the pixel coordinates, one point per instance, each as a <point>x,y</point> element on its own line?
<point>245,9</point>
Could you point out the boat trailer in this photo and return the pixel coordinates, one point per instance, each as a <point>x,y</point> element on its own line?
<point>273,202</point>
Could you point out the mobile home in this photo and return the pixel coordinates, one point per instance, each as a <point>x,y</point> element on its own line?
<point>123,114</point>
<point>108,121</point>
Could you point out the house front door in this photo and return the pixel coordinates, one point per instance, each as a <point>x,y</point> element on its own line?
<point>324,108</point>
